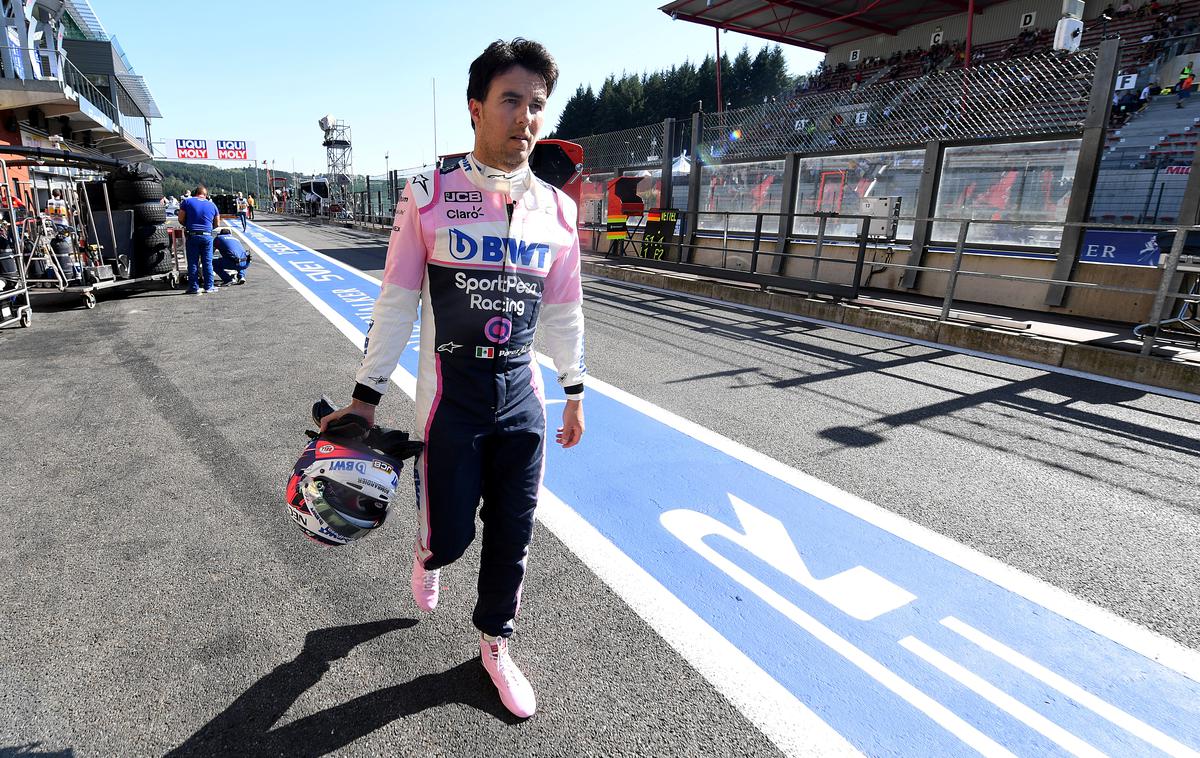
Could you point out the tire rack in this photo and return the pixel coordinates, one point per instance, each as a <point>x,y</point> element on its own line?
<point>87,290</point>
<point>15,306</point>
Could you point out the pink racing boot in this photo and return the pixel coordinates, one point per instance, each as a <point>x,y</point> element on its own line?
<point>425,585</point>
<point>515,690</point>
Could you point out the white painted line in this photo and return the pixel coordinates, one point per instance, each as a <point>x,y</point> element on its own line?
<point>786,721</point>
<point>1137,728</point>
<point>402,378</point>
<point>1001,699</point>
<point>1139,639</point>
<point>1177,394</point>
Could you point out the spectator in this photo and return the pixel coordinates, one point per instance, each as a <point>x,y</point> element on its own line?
<point>233,258</point>
<point>1147,93</point>
<point>1183,90</point>
<point>250,206</point>
<point>1125,9</point>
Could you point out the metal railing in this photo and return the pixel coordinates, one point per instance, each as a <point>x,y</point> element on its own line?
<point>85,89</point>
<point>696,243</point>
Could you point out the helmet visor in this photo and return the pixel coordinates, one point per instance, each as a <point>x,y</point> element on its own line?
<point>343,508</point>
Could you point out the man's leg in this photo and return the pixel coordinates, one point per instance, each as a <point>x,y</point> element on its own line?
<point>191,246</point>
<point>206,255</point>
<point>448,477</point>
<point>221,269</point>
<point>513,462</point>
<point>511,480</point>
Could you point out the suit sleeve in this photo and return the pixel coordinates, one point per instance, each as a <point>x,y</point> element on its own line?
<point>561,321</point>
<point>396,309</point>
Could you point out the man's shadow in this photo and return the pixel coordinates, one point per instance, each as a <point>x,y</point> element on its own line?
<point>244,728</point>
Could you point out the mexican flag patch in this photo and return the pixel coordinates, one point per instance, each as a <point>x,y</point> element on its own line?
<point>485,352</point>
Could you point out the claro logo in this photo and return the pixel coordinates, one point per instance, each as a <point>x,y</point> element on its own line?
<point>464,247</point>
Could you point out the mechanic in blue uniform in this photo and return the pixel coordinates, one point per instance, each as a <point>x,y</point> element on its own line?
<point>230,258</point>
<point>199,216</point>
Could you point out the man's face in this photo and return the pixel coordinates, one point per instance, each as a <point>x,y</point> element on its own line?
<point>508,122</point>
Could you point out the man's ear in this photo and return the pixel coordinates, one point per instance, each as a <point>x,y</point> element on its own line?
<point>476,109</point>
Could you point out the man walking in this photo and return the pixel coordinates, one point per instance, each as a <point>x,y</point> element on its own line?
<point>491,253</point>
<point>199,216</point>
<point>243,208</point>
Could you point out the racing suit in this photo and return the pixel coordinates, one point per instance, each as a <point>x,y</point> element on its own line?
<point>490,256</point>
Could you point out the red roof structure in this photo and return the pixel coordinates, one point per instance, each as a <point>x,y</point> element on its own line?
<point>817,24</point>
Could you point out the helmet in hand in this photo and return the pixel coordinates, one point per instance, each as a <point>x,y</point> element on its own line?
<point>341,490</point>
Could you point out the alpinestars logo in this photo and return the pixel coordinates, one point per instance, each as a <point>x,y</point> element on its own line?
<point>420,179</point>
<point>448,347</point>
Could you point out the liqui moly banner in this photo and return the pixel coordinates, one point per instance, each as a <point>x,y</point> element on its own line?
<point>191,149</point>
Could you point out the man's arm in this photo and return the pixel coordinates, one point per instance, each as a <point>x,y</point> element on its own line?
<point>181,214</point>
<point>561,323</point>
<point>394,314</point>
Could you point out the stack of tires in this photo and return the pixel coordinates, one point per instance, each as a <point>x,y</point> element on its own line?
<point>138,187</point>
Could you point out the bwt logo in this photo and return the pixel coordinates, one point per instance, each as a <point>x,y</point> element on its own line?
<point>358,466</point>
<point>464,247</point>
<point>232,149</point>
<point>191,148</point>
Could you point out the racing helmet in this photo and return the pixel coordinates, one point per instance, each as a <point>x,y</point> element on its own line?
<point>341,490</point>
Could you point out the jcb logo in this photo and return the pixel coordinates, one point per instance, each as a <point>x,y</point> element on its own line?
<point>463,197</point>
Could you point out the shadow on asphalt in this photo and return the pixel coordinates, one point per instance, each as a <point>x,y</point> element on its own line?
<point>31,751</point>
<point>245,727</point>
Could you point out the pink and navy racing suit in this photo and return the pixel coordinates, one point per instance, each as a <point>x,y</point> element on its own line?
<point>490,256</point>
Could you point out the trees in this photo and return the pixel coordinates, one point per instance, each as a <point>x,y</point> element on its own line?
<point>634,100</point>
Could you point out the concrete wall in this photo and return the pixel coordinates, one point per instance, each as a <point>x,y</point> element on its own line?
<point>837,267</point>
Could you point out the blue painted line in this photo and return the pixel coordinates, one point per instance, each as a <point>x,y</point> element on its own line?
<point>633,469</point>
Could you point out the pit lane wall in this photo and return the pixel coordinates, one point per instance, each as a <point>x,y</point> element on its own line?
<point>837,259</point>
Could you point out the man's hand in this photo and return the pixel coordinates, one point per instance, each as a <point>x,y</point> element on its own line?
<point>571,431</point>
<point>366,410</point>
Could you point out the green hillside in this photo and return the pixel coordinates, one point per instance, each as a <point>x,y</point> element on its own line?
<point>181,177</point>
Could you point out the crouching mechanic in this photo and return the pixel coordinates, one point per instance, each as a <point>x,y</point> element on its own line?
<point>233,258</point>
<point>490,252</point>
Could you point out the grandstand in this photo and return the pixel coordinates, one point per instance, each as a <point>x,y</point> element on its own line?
<point>960,113</point>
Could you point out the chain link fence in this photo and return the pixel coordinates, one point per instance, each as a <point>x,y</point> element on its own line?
<point>1045,93</point>
<point>639,147</point>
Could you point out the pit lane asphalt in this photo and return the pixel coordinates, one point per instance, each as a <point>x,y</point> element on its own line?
<point>158,600</point>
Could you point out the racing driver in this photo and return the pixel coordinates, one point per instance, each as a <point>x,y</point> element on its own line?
<point>490,252</point>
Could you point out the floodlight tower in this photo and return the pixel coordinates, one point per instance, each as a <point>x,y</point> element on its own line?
<point>339,158</point>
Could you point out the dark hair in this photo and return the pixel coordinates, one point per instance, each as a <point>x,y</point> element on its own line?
<point>200,189</point>
<point>501,56</point>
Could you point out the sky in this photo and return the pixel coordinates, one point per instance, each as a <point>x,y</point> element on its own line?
<point>267,70</point>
